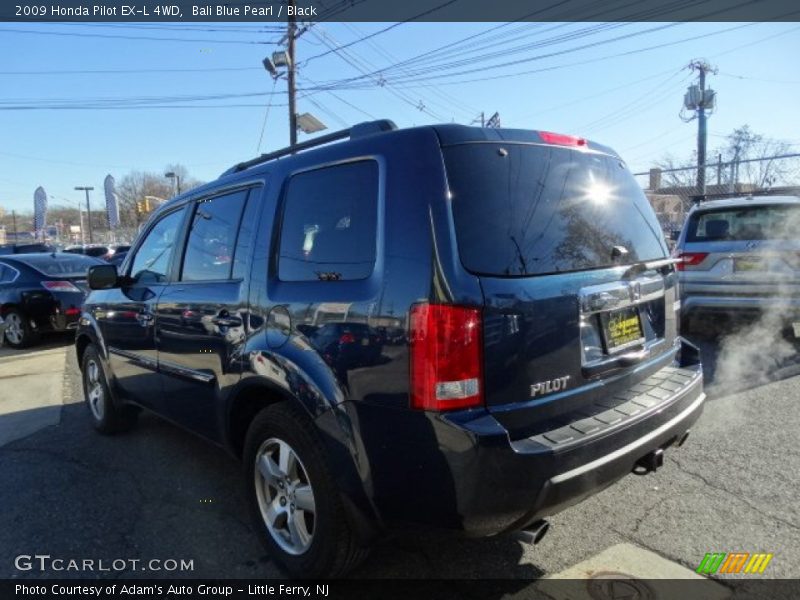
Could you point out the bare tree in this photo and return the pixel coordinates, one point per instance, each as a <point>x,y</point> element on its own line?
<point>686,177</point>
<point>134,188</point>
<point>763,173</point>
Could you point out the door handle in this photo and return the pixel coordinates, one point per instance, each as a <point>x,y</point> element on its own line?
<point>144,318</point>
<point>224,319</point>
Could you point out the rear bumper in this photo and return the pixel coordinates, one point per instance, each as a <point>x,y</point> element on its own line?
<point>712,303</point>
<point>468,475</point>
<point>58,311</point>
<point>537,477</point>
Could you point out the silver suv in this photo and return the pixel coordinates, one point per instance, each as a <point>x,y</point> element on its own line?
<point>741,258</point>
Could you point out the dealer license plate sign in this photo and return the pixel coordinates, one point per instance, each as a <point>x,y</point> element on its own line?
<point>622,329</point>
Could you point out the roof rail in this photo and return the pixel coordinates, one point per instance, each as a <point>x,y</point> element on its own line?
<point>356,131</point>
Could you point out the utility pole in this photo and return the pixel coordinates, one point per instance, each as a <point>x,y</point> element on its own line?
<point>87,189</point>
<point>700,99</point>
<point>14,222</point>
<point>291,33</point>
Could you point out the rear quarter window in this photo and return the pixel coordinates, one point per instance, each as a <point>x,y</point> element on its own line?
<point>329,226</point>
<point>523,209</point>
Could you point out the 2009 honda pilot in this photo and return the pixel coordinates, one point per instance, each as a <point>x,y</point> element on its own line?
<point>539,362</point>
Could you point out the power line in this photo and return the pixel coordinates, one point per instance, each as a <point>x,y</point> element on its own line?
<point>384,30</point>
<point>129,71</point>
<point>425,75</point>
<point>584,62</point>
<point>353,61</point>
<point>131,37</point>
<point>266,116</point>
<point>448,48</point>
<point>448,98</point>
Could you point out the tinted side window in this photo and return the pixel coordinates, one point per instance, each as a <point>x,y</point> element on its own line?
<point>7,275</point>
<point>212,238</point>
<point>329,224</point>
<point>151,261</point>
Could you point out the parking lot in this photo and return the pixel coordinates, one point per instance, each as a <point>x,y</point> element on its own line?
<point>160,493</point>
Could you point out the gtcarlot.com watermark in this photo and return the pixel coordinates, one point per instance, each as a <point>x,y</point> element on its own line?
<point>47,563</point>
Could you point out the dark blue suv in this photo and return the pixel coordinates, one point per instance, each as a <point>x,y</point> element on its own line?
<point>538,359</point>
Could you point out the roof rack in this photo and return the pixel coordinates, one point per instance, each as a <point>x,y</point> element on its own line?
<point>356,131</point>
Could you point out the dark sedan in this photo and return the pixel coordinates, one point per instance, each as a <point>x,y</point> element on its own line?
<point>41,293</point>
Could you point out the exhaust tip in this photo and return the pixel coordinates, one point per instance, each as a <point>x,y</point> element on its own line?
<point>649,463</point>
<point>535,533</point>
<point>683,439</point>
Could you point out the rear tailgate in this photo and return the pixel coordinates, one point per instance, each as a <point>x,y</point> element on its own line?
<point>579,292</point>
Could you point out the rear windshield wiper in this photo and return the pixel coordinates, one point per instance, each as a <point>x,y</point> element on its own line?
<point>649,265</point>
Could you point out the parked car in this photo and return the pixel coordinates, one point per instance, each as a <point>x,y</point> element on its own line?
<point>27,248</point>
<point>741,257</point>
<point>40,293</point>
<point>541,361</point>
<point>117,258</point>
<point>95,250</point>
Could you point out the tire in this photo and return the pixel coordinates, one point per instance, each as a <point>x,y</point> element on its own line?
<point>106,416</point>
<point>306,500</point>
<point>19,333</point>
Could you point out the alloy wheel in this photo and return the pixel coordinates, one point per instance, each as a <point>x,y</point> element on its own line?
<point>94,390</point>
<point>14,328</point>
<point>285,496</point>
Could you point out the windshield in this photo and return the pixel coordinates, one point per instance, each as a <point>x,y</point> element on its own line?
<point>767,222</point>
<point>60,266</point>
<point>528,210</point>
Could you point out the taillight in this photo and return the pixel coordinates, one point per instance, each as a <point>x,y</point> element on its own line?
<point>347,338</point>
<point>60,286</point>
<point>446,357</point>
<point>72,311</point>
<point>690,259</point>
<point>548,137</point>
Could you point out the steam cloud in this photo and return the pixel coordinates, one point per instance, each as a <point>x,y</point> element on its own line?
<point>758,352</point>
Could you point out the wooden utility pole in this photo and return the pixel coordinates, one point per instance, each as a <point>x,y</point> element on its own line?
<point>291,33</point>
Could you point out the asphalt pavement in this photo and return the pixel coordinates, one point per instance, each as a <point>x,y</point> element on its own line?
<point>158,492</point>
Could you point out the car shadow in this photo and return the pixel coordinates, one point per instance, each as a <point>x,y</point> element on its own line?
<point>158,492</point>
<point>47,342</point>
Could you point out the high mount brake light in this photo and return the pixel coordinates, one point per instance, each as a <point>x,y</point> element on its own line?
<point>446,357</point>
<point>561,139</point>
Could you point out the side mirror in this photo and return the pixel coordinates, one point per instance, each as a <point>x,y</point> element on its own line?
<point>675,234</point>
<point>102,277</point>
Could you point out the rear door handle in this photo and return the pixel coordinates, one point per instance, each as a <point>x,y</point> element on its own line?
<point>144,318</point>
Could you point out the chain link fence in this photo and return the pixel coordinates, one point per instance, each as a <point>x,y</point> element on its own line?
<point>672,192</point>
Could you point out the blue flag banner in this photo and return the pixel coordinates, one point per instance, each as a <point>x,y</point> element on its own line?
<point>39,211</point>
<point>112,208</point>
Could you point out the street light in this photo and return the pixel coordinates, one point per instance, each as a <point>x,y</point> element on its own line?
<point>176,177</point>
<point>308,123</point>
<point>87,189</point>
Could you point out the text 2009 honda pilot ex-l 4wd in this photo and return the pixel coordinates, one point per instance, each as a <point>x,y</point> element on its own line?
<point>538,361</point>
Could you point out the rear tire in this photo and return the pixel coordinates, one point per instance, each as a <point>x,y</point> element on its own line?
<point>19,333</point>
<point>294,500</point>
<point>106,416</point>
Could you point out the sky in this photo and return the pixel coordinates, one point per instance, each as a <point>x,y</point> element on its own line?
<point>57,82</point>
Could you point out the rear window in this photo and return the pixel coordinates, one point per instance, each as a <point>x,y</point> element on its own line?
<point>61,266</point>
<point>530,210</point>
<point>769,222</point>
